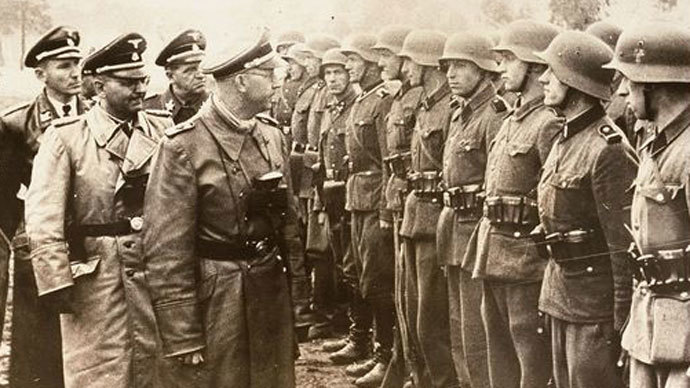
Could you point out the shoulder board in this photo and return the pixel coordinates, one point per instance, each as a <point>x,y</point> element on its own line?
<point>179,128</point>
<point>63,121</point>
<point>382,93</point>
<point>266,119</point>
<point>152,96</point>
<point>16,108</point>
<point>158,112</point>
<point>611,135</point>
<point>499,104</point>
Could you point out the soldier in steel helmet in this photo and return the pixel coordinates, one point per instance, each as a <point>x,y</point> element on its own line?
<point>471,67</point>
<point>506,259</point>
<point>427,296</point>
<point>583,203</point>
<point>287,39</point>
<point>654,58</point>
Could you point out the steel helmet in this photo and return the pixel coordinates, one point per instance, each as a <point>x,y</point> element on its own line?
<point>424,47</point>
<point>318,44</point>
<point>361,44</point>
<point>391,38</point>
<point>473,47</point>
<point>333,57</point>
<point>576,59</point>
<point>296,52</point>
<point>524,37</point>
<point>653,53</point>
<point>288,38</point>
<point>605,31</point>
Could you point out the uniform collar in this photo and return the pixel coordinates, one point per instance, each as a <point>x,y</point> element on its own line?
<point>583,120</point>
<point>370,90</point>
<point>669,133</point>
<point>308,83</point>
<point>432,99</point>
<point>232,132</point>
<point>527,107</point>
<point>105,126</point>
<point>481,96</point>
<point>344,102</point>
<point>57,105</point>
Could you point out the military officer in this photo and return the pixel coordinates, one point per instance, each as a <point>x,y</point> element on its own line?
<point>584,202</point>
<point>470,68</point>
<point>427,299</point>
<point>83,217</point>
<point>372,245</point>
<point>656,67</point>
<point>330,221</point>
<point>219,211</point>
<point>286,39</point>
<point>35,358</point>
<point>506,259</point>
<point>181,59</point>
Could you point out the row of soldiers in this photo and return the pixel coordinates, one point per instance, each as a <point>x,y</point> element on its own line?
<point>505,209</point>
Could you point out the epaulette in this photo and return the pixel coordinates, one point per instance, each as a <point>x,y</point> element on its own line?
<point>266,119</point>
<point>179,128</point>
<point>158,112</point>
<point>383,93</point>
<point>499,104</point>
<point>15,108</point>
<point>610,134</point>
<point>62,121</point>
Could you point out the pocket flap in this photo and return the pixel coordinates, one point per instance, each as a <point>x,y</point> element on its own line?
<point>467,145</point>
<point>428,132</point>
<point>518,148</point>
<point>566,181</point>
<point>83,268</point>
<point>655,193</point>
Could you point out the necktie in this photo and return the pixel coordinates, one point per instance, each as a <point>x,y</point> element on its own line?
<point>66,109</point>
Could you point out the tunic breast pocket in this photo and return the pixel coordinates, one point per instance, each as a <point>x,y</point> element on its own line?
<point>570,197</point>
<point>366,133</point>
<point>433,140</point>
<point>518,150</point>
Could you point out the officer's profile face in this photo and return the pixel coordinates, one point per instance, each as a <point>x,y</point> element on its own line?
<point>187,78</point>
<point>62,76</point>
<point>312,65</point>
<point>390,64</point>
<point>337,79</point>
<point>123,97</point>
<point>295,69</point>
<point>463,77</point>
<point>513,71</point>
<point>555,91</point>
<point>257,86</point>
<point>635,98</point>
<point>88,90</point>
<point>356,66</point>
<point>413,72</point>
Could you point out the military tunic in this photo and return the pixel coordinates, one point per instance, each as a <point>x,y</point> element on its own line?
<point>427,300</point>
<point>35,357</point>
<point>210,289</point>
<point>284,101</point>
<point>472,128</point>
<point>586,290</point>
<point>88,174</point>
<point>657,336</point>
<point>170,102</point>
<point>507,260</point>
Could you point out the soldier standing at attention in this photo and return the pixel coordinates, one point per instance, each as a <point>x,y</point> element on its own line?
<point>655,61</point>
<point>35,356</point>
<point>83,218</point>
<point>220,216</point>
<point>519,354</point>
<point>294,84</point>
<point>372,245</point>
<point>427,294</point>
<point>181,59</point>
<point>583,203</point>
<point>470,68</point>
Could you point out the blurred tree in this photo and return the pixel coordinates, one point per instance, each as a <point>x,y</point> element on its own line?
<point>24,17</point>
<point>576,14</point>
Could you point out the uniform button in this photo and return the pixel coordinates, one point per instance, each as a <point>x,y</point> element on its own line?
<point>332,147</point>
<point>467,148</point>
<point>136,223</point>
<point>517,234</point>
<point>540,330</point>
<point>660,197</point>
<point>241,195</point>
<point>129,272</point>
<point>590,269</point>
<point>128,244</point>
<point>684,294</point>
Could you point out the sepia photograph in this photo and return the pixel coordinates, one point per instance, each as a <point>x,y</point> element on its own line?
<point>340,194</point>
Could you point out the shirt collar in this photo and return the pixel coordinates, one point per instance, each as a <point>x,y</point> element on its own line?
<point>57,105</point>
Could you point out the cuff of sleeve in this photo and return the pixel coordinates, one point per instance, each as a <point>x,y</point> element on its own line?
<point>180,327</point>
<point>51,267</point>
<point>386,215</point>
<point>620,316</point>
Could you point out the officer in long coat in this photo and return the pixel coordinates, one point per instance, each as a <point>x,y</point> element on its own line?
<point>219,216</point>
<point>84,216</point>
<point>187,90</point>
<point>427,296</point>
<point>657,70</point>
<point>584,203</point>
<point>507,260</point>
<point>470,68</point>
<point>35,356</point>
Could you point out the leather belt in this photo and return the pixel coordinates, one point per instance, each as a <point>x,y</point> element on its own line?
<point>667,270</point>
<point>233,250</point>
<point>511,210</point>
<point>575,249</point>
<point>399,164</point>
<point>336,174</point>
<point>301,148</point>
<point>467,199</point>
<point>117,228</point>
<point>426,185</point>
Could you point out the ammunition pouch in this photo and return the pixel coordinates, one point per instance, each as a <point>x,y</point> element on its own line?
<point>334,200</point>
<point>510,210</point>
<point>666,271</point>
<point>426,186</point>
<point>577,249</point>
<point>399,164</point>
<point>466,200</point>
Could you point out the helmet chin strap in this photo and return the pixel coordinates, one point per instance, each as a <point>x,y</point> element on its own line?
<point>648,110</point>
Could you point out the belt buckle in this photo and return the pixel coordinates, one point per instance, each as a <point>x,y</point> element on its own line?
<point>136,223</point>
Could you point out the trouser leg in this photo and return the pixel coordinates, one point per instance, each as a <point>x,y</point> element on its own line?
<point>503,363</point>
